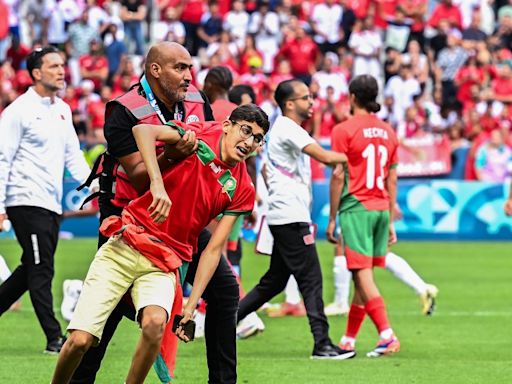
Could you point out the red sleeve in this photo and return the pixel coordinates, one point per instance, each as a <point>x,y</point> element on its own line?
<point>434,19</point>
<point>339,139</point>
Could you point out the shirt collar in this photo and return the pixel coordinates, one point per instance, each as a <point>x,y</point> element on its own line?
<point>40,99</point>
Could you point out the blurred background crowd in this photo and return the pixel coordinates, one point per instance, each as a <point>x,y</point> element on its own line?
<point>445,67</point>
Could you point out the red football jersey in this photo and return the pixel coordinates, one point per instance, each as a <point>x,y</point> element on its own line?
<point>200,187</point>
<point>371,147</point>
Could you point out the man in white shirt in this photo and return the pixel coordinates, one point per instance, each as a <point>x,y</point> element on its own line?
<point>38,143</point>
<point>289,202</point>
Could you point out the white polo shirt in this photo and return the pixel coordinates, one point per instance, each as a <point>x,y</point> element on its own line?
<point>37,142</point>
<point>288,173</point>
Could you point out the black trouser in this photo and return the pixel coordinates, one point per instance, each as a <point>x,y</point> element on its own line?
<point>37,231</point>
<point>292,256</point>
<point>221,295</point>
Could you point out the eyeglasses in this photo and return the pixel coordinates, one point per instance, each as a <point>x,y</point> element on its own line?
<point>246,132</point>
<point>305,98</point>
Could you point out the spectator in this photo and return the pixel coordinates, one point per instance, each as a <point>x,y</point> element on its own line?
<point>493,159</point>
<point>473,36</point>
<point>248,53</point>
<point>264,25</point>
<point>416,11</point>
<point>236,22</point>
<point>365,44</point>
<point>4,29</point>
<point>133,13</point>
<point>174,30</point>
<point>326,23</point>
<point>17,53</point>
<point>419,62</point>
<point>450,60</point>
<point>217,83</point>
<point>446,11</point>
<point>330,76</point>
<point>402,88</point>
<point>80,35</point>
<point>256,79</point>
<point>392,63</point>
<point>303,47</point>
<point>114,53</point>
<point>191,15</point>
<point>211,25</point>
<point>94,65</point>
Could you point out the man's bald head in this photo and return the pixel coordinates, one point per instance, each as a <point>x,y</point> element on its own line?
<point>169,71</point>
<point>164,51</point>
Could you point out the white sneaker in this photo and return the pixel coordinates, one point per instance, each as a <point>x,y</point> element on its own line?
<point>71,290</point>
<point>336,309</point>
<point>251,325</point>
<point>199,318</point>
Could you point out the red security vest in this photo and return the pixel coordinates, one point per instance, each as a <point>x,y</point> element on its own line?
<point>139,107</point>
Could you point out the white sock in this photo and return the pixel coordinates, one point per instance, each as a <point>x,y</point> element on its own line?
<point>291,292</point>
<point>5,272</point>
<point>342,278</point>
<point>348,340</point>
<point>386,334</point>
<point>403,271</point>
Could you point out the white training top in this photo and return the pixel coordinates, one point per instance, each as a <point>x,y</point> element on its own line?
<point>37,142</point>
<point>288,173</point>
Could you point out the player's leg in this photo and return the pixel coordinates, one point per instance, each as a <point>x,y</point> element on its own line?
<point>374,302</point>
<point>342,279</point>
<point>37,231</point>
<point>109,277</point>
<point>90,364</point>
<point>355,319</point>
<point>272,282</point>
<point>222,296</point>
<point>404,272</point>
<point>153,295</point>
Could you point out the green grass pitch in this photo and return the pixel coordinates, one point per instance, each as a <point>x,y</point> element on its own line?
<point>468,340</point>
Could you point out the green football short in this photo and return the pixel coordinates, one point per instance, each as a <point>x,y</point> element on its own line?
<point>365,238</point>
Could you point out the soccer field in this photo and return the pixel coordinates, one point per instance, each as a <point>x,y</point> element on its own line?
<point>466,341</point>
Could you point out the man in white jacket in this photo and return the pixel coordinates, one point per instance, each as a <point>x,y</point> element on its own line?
<point>38,143</point>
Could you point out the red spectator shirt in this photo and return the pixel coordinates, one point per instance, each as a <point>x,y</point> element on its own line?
<point>201,187</point>
<point>301,54</point>
<point>446,12</point>
<point>385,10</point>
<point>96,112</point>
<point>17,57</point>
<point>193,11</point>
<point>412,6</point>
<point>222,109</point>
<point>502,86</point>
<point>359,7</point>
<point>258,82</point>
<point>93,63</point>
<point>371,147</point>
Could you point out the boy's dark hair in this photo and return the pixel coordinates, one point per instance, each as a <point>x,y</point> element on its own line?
<point>235,94</point>
<point>365,89</point>
<point>252,114</point>
<point>285,91</point>
<point>35,58</point>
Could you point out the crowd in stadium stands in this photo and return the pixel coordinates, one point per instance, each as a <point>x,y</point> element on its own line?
<point>444,67</point>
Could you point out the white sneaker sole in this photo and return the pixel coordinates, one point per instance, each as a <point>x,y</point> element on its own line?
<point>345,356</point>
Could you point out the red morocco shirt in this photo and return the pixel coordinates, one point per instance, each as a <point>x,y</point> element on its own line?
<point>371,147</point>
<point>200,187</point>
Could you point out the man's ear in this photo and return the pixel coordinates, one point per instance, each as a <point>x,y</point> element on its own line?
<point>155,70</point>
<point>36,72</point>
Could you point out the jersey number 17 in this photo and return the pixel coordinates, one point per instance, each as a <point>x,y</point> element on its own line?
<point>371,153</point>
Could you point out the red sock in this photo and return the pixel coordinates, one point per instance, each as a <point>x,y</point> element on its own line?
<point>376,309</point>
<point>355,320</point>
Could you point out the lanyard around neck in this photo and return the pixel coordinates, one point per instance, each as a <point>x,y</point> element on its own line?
<point>152,99</point>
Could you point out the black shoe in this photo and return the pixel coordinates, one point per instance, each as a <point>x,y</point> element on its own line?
<point>331,352</point>
<point>54,346</point>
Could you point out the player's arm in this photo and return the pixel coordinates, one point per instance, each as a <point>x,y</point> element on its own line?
<point>145,136</point>
<point>208,263</point>
<point>335,187</point>
<point>391,183</point>
<point>324,156</point>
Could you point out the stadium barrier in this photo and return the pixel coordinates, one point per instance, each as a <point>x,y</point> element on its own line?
<point>432,210</point>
